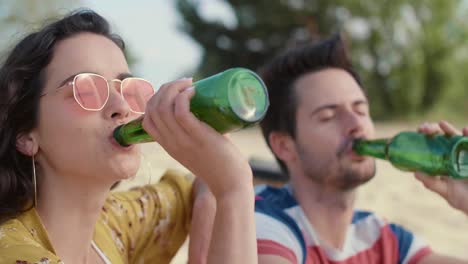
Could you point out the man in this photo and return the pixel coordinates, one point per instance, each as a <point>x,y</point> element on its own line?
<point>317,109</point>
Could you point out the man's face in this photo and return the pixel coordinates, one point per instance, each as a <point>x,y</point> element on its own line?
<point>332,110</point>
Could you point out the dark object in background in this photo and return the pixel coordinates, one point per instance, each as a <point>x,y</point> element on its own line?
<point>265,171</point>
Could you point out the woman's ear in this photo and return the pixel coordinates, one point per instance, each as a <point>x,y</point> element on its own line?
<point>283,146</point>
<point>26,143</point>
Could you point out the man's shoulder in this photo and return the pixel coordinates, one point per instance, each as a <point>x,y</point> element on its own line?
<point>278,232</point>
<point>367,217</point>
<point>274,198</point>
<point>368,226</point>
<point>274,204</point>
<point>368,229</point>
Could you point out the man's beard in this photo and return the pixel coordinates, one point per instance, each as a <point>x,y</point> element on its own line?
<point>349,178</point>
<point>342,174</point>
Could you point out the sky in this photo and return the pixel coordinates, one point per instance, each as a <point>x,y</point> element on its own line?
<point>149,28</point>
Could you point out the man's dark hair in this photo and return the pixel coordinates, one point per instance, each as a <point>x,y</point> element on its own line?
<point>282,72</point>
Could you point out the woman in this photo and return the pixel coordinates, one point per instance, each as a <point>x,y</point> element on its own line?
<point>63,90</point>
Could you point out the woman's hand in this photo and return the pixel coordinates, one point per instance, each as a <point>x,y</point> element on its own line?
<point>197,146</point>
<point>453,190</point>
<point>214,159</point>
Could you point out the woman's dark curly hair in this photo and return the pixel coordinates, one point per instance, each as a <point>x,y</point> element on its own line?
<point>22,77</point>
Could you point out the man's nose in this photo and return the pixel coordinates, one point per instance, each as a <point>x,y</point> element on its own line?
<point>354,124</point>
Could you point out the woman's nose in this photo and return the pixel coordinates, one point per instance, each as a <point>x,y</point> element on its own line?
<point>117,107</point>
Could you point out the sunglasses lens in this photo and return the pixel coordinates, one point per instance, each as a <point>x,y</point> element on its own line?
<point>91,91</point>
<point>137,93</point>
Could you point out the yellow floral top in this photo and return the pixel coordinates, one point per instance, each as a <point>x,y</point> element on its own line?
<point>144,225</point>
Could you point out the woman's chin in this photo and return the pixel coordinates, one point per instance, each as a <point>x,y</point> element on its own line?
<point>127,173</point>
<point>128,176</point>
<point>124,169</point>
<point>122,172</point>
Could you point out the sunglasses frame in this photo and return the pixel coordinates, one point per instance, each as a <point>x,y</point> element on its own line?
<point>73,84</point>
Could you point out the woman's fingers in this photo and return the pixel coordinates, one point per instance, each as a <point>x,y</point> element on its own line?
<point>166,108</point>
<point>159,118</point>
<point>194,127</point>
<point>149,126</point>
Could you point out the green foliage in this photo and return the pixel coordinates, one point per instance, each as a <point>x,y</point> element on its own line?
<point>410,53</point>
<point>18,18</point>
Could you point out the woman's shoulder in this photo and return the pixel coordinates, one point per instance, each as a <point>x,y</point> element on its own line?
<point>14,232</point>
<point>173,180</point>
<point>130,219</point>
<point>21,244</point>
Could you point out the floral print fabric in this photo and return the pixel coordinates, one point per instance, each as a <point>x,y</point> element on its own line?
<point>144,225</point>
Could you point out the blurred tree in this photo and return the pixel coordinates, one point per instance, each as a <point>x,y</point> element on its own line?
<point>407,51</point>
<point>18,18</point>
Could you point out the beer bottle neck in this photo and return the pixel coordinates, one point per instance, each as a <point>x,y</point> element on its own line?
<point>376,148</point>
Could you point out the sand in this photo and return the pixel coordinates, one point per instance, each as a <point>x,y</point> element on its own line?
<point>393,194</point>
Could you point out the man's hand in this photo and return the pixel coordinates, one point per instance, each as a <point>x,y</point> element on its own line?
<point>453,190</point>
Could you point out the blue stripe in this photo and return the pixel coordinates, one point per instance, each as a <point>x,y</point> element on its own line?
<point>259,188</point>
<point>405,239</point>
<point>359,215</point>
<point>274,201</point>
<point>265,207</point>
<point>279,197</point>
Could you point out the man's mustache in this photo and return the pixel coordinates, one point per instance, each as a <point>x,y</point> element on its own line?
<point>345,145</point>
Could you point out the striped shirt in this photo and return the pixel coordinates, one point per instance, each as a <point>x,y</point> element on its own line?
<point>284,230</point>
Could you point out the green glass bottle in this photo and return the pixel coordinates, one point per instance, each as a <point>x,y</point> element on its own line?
<point>228,101</point>
<point>411,151</point>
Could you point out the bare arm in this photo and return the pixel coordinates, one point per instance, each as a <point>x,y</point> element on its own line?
<point>221,227</point>
<point>203,215</point>
<point>212,157</point>
<point>233,239</point>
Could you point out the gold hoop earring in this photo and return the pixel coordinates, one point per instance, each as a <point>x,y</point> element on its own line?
<point>34,181</point>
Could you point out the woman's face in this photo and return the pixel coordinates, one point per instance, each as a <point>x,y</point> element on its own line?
<point>74,142</point>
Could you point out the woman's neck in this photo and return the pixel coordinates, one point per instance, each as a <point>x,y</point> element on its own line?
<point>69,211</point>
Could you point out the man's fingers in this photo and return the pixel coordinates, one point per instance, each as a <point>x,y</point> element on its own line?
<point>430,128</point>
<point>443,127</point>
<point>449,129</point>
<point>465,131</point>
<point>435,184</point>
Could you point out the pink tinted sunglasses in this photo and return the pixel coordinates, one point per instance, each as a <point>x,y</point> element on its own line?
<point>91,91</point>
